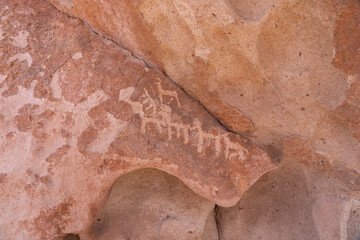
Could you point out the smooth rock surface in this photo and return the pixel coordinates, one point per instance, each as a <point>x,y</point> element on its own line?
<point>293,203</point>
<point>150,204</point>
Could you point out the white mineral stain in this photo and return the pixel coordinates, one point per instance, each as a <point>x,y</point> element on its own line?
<point>125,93</point>
<point>55,85</point>
<point>77,56</point>
<point>21,57</point>
<point>9,106</point>
<point>16,150</point>
<point>67,3</point>
<point>20,40</point>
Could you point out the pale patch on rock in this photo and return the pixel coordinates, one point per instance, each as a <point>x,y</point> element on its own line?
<point>55,85</point>
<point>330,214</point>
<point>77,56</point>
<point>125,94</point>
<point>21,57</point>
<point>203,52</point>
<point>21,39</point>
<point>2,77</point>
<point>9,106</point>
<point>15,150</point>
<point>66,3</point>
<point>188,16</point>
<point>108,135</point>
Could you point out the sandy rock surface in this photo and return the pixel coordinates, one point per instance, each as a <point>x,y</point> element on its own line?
<point>250,109</point>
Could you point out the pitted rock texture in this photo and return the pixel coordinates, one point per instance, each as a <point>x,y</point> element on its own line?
<point>78,111</point>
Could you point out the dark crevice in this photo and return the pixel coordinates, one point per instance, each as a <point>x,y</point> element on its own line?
<point>147,64</point>
<point>217,220</point>
<point>71,236</point>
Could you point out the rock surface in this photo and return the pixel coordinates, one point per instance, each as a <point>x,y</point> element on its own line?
<point>265,69</point>
<point>293,203</point>
<point>77,112</point>
<point>172,210</point>
<point>103,87</point>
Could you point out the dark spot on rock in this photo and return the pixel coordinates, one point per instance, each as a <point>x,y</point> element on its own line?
<point>72,236</point>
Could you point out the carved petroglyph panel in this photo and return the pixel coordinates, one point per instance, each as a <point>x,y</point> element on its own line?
<point>77,112</point>
<point>155,111</point>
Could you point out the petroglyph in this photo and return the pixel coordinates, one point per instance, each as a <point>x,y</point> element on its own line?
<point>75,120</point>
<point>158,114</point>
<point>172,94</point>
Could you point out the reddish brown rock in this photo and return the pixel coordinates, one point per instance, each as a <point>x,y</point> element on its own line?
<point>170,214</point>
<point>347,38</point>
<point>293,202</point>
<point>282,73</point>
<point>300,149</point>
<point>350,108</point>
<point>78,111</point>
<point>264,69</point>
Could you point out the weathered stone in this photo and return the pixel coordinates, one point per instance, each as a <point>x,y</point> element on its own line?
<point>78,111</point>
<point>292,202</point>
<point>301,150</point>
<point>282,73</point>
<point>150,204</point>
<point>264,69</point>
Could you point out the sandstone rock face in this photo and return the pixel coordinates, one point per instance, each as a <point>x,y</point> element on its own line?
<point>77,112</point>
<point>265,69</point>
<point>172,211</point>
<point>206,91</point>
<point>293,203</point>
